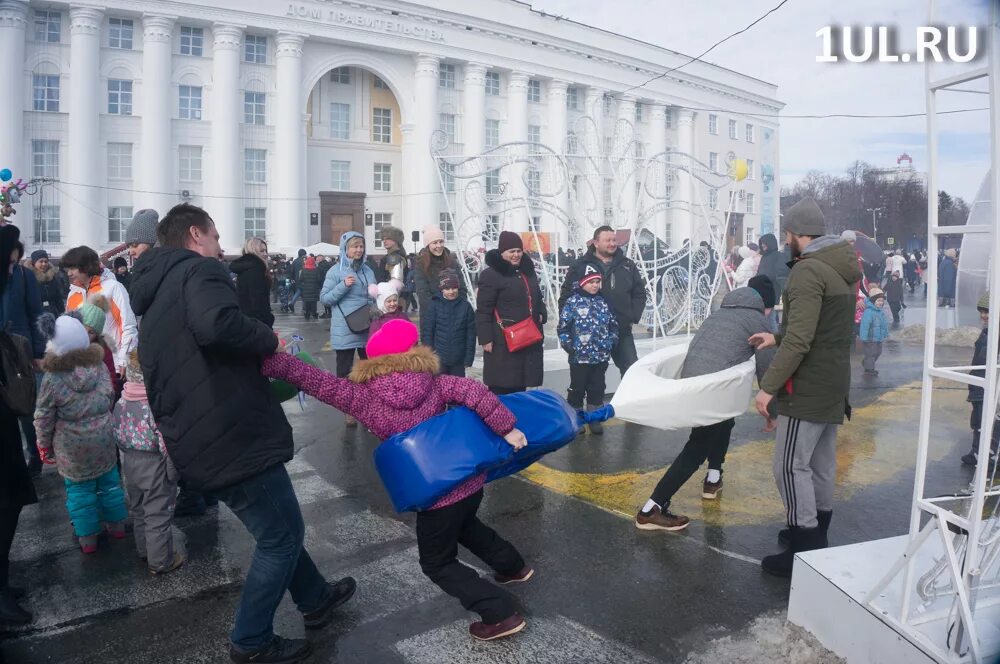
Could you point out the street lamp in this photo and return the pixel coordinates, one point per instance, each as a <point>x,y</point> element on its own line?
<point>874,227</point>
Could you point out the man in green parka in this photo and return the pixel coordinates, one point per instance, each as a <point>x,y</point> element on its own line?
<point>810,377</point>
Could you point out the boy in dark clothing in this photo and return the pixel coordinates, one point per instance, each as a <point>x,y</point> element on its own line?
<point>976,392</point>
<point>449,326</point>
<point>894,296</point>
<point>309,286</point>
<point>588,331</point>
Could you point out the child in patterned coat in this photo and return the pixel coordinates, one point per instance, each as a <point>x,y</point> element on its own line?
<point>150,477</point>
<point>588,331</point>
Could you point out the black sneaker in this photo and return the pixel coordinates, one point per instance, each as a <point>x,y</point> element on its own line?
<point>278,651</point>
<point>340,592</point>
<point>970,459</point>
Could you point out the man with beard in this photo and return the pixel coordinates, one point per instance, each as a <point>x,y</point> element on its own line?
<point>810,376</point>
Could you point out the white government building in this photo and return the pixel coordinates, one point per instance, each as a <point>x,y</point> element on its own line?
<point>298,120</point>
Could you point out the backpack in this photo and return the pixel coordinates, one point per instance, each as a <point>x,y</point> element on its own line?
<point>17,375</point>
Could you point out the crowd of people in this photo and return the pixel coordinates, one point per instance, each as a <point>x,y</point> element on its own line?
<point>149,386</point>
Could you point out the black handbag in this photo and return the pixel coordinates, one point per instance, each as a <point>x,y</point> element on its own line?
<point>359,320</point>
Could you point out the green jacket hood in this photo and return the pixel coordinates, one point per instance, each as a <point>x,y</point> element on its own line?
<point>836,253</point>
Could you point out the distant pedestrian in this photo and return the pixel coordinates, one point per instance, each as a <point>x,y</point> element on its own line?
<point>253,281</point>
<point>323,266</point>
<point>588,332</point>
<point>309,284</point>
<point>874,330</point>
<point>73,423</point>
<point>150,476</point>
<point>120,267</point>
<point>448,326</point>
<point>894,296</point>
<point>947,276</point>
<point>53,286</point>
<point>976,392</point>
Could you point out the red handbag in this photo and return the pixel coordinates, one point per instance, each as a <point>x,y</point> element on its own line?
<point>521,334</point>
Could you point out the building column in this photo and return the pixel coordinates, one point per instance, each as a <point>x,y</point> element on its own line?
<point>288,223</point>
<point>473,139</point>
<point>517,132</point>
<point>627,198</point>
<point>682,226</point>
<point>13,25</point>
<point>557,175</point>
<point>225,202</point>
<point>419,177</point>
<point>656,178</point>
<point>594,109</point>
<point>82,220</point>
<point>156,170</point>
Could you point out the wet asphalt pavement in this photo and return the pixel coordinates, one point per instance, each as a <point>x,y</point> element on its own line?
<point>603,590</point>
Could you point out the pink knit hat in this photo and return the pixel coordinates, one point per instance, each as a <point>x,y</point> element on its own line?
<point>432,233</point>
<point>396,336</point>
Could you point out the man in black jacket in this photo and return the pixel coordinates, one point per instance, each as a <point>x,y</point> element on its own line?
<point>224,431</point>
<point>623,286</point>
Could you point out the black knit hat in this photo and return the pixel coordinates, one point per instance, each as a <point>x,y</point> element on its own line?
<point>509,240</point>
<point>765,288</point>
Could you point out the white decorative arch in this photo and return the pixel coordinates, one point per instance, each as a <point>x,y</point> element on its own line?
<point>44,63</point>
<point>255,81</point>
<point>188,75</point>
<point>373,63</point>
<point>119,68</point>
<point>449,109</point>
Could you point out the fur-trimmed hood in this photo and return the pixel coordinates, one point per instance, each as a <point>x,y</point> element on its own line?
<point>383,376</point>
<point>44,277</point>
<point>83,369</point>
<point>496,261</point>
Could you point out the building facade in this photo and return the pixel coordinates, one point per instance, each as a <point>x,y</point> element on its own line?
<point>299,120</point>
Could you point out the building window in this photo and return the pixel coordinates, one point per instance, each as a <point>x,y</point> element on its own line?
<point>750,204</point>
<point>120,33</point>
<point>254,223</point>
<point>46,93</point>
<point>669,192</point>
<point>44,159</point>
<point>750,175</point>
<point>493,83</point>
<point>493,182</point>
<point>638,112</point>
<point>444,221</point>
<point>492,231</point>
<point>379,221</point>
<point>192,41</point>
<point>609,194</point>
<point>572,144</point>
<point>382,125</point>
<point>749,133</point>
<point>448,177</point>
<point>253,108</point>
<point>713,125</point>
<point>340,175</point>
<point>446,123</point>
<point>255,49</point>
<point>379,84</point>
<point>47,224</point>
<point>446,75</point>
<point>492,138</point>
<point>535,224</point>
<point>340,121</point>
<point>190,160</point>
<point>48,26</point>
<point>732,129</point>
<point>732,200</point>
<point>534,181</point>
<point>118,220</point>
<point>190,102</point>
<point>573,99</point>
<point>383,177</point>
<point>713,199</point>
<point>713,162</point>
<point>535,91</point>
<point>120,161</point>
<point>254,166</point>
<point>119,97</point>
<point>534,133</point>
<point>669,115</point>
<point>607,105</point>
<point>341,75</point>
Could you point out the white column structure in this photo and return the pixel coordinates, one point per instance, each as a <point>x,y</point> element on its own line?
<point>473,139</point>
<point>557,177</point>
<point>288,224</point>
<point>419,178</point>
<point>682,215</point>
<point>594,109</point>
<point>626,188</point>
<point>226,174</point>
<point>13,24</point>
<point>83,222</point>
<point>156,171</point>
<point>656,180</point>
<point>517,131</point>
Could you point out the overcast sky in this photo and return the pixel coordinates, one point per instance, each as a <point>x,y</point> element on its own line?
<point>782,49</point>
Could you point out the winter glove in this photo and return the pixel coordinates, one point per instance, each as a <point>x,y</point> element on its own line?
<point>47,455</point>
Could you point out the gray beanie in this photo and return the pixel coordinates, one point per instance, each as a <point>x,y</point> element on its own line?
<point>142,230</point>
<point>804,218</point>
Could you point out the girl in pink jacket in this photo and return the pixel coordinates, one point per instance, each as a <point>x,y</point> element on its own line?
<point>395,389</point>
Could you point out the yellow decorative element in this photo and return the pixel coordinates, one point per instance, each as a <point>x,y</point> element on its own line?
<point>739,170</point>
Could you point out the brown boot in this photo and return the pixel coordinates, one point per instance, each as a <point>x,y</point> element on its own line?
<point>656,519</point>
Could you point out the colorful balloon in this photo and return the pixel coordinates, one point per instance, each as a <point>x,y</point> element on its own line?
<point>739,170</point>
<point>5,175</point>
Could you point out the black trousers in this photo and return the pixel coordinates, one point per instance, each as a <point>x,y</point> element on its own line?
<point>711,442</point>
<point>586,381</point>
<point>975,420</point>
<point>440,531</point>
<point>453,370</point>
<point>309,308</point>
<point>895,307</point>
<point>506,390</point>
<point>624,354</point>
<point>345,360</point>
<point>8,526</point>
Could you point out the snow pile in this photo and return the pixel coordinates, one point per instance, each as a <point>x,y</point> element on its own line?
<point>952,336</point>
<point>769,638</point>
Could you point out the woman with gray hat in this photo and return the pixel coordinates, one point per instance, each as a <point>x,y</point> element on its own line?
<point>141,232</point>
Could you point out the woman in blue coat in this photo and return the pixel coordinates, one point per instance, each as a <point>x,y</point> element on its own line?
<point>345,291</point>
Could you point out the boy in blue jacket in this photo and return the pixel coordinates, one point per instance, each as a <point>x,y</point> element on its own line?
<point>874,329</point>
<point>588,331</point>
<point>449,326</point>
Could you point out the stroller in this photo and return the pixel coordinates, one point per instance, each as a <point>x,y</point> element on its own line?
<point>286,289</point>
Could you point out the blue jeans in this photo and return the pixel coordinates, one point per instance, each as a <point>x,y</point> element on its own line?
<point>267,506</point>
<point>91,502</point>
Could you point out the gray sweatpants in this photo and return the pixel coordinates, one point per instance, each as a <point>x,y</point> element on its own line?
<point>805,465</point>
<point>873,349</point>
<point>151,482</point>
